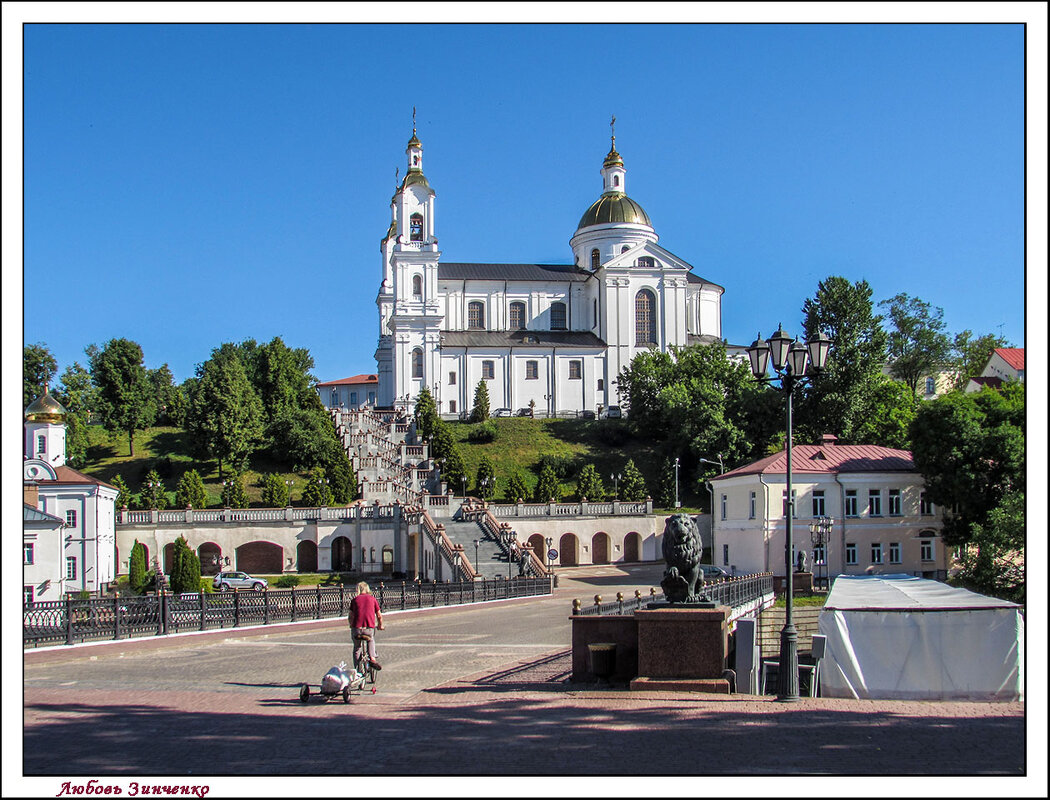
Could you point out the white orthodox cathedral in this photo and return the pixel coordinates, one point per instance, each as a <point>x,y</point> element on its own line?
<point>553,336</point>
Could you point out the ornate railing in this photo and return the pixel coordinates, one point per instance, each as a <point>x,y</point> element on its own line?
<point>192,516</point>
<point>743,590</point>
<point>584,508</point>
<point>70,621</point>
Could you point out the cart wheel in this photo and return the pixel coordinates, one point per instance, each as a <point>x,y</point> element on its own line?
<point>346,695</point>
<point>304,693</point>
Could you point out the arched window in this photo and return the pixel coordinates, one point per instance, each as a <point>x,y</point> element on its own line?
<point>517,316</point>
<point>645,317</point>
<point>616,180</point>
<point>476,315</point>
<point>595,259</point>
<point>624,249</point>
<point>558,316</point>
<point>417,363</point>
<point>415,227</point>
<point>417,286</point>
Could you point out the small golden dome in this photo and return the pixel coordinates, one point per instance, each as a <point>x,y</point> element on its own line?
<point>614,207</point>
<point>45,409</point>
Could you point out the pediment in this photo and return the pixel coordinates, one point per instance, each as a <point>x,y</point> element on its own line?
<point>33,469</point>
<point>662,259</point>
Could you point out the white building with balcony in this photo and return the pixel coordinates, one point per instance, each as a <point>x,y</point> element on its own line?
<point>875,497</point>
<point>551,335</point>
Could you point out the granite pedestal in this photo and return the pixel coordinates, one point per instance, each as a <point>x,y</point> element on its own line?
<point>682,649</point>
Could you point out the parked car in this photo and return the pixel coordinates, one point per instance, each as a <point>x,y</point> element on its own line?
<point>502,412</point>
<point>524,412</point>
<point>586,414</point>
<point>713,572</point>
<point>225,581</point>
<point>613,412</point>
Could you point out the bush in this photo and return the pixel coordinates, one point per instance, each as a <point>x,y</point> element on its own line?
<point>483,432</point>
<point>287,581</point>
<point>561,466</point>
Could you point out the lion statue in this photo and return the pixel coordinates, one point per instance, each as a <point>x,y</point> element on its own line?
<point>682,550</point>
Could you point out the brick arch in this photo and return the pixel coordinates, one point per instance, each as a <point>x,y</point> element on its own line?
<point>568,550</point>
<point>539,546</point>
<point>600,547</point>
<point>342,554</point>
<point>260,557</point>
<point>208,552</point>
<point>306,556</point>
<point>632,546</point>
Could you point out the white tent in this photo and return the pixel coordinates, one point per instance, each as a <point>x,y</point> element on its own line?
<point>901,637</point>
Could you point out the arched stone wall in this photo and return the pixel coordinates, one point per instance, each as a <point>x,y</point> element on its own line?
<point>539,546</point>
<point>568,550</point>
<point>600,548</point>
<point>260,557</point>
<point>342,554</point>
<point>210,555</point>
<point>306,556</point>
<point>632,546</point>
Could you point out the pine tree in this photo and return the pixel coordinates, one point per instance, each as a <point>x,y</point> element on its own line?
<point>275,492</point>
<point>452,470</point>
<point>426,414</point>
<point>185,568</point>
<point>485,480</point>
<point>480,412</point>
<point>234,495</point>
<point>344,481</point>
<point>124,496</point>
<point>137,573</point>
<point>152,494</point>
<point>548,488</point>
<point>318,492</point>
<point>632,485</point>
<point>190,493</point>
<point>518,488</point>
<point>589,484</point>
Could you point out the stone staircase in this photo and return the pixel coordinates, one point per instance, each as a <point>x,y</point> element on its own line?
<point>492,561</point>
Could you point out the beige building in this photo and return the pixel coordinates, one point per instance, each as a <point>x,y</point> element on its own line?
<point>882,522</point>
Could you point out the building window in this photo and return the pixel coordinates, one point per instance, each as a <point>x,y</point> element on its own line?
<point>415,228</point>
<point>532,370</point>
<point>353,398</point>
<point>27,594</point>
<point>452,406</point>
<point>71,519</point>
<point>601,384</point>
<point>647,262</point>
<point>751,506</point>
<point>41,444</point>
<point>27,553</point>
<point>625,248</point>
<point>794,497</point>
<point>851,502</point>
<point>594,315</point>
<point>926,550</point>
<point>894,502</point>
<point>819,556</point>
<point>517,316</point>
<point>476,315</point>
<point>558,316</point>
<point>895,552</point>
<point>876,552</point>
<point>851,553</point>
<point>372,398</point>
<point>645,317</point>
<point>488,370</point>
<point>452,379</point>
<point>724,504</point>
<point>417,363</point>
<point>417,286</point>
<point>335,397</point>
<point>725,555</point>
<point>575,370</point>
<point>874,503</point>
<point>925,506</point>
<point>71,568</point>
<point>818,503</point>
<point>595,259</point>
<point>931,386</point>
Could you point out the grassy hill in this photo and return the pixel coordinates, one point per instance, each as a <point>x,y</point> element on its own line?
<point>520,443</point>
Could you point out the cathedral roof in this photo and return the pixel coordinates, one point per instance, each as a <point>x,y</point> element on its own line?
<point>511,272</point>
<point>520,339</point>
<point>614,207</point>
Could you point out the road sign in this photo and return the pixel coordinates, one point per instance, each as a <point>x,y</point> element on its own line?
<point>552,554</point>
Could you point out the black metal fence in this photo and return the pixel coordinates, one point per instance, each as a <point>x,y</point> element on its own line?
<point>68,621</point>
<point>731,592</point>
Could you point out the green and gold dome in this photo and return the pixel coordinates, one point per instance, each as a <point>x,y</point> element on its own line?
<point>45,409</point>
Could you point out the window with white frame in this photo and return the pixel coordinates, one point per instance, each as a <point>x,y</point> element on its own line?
<point>452,406</point>
<point>851,553</point>
<point>818,502</point>
<point>27,594</point>
<point>41,444</point>
<point>794,497</point>
<point>894,502</point>
<point>874,503</point>
<point>415,228</point>
<point>452,379</point>
<point>725,503</point>
<point>895,552</point>
<point>475,315</point>
<point>596,259</point>
<point>558,316</point>
<point>819,556</point>
<point>71,518</point>
<point>645,318</point>
<point>752,502</point>
<point>417,287</point>
<point>517,316</point>
<point>417,363</point>
<point>575,370</point>
<point>335,397</point>
<point>926,550</point>
<point>931,386</point>
<point>925,506</point>
<point>876,552</point>
<point>851,503</point>
<point>488,370</point>
<point>71,568</point>
<point>532,370</point>
<point>27,553</point>
<point>353,398</point>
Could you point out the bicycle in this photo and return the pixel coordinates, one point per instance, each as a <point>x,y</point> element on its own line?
<point>362,663</point>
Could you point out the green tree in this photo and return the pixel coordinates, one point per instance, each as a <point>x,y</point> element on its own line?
<point>79,397</point>
<point>317,492</point>
<point>518,488</point>
<point>548,487</point>
<point>589,484</point>
<point>344,481</point>
<point>918,345</point>
<point>185,568</point>
<point>124,496</point>
<point>165,394</point>
<point>138,576</point>
<point>125,394</point>
<point>632,484</point>
<point>38,368</point>
<point>443,443</point>
<point>890,407</point>
<point>485,479</point>
<point>970,355</point>
<point>190,492</point>
<point>452,470</point>
<point>234,495</point>
<point>426,414</point>
<point>836,402</point>
<point>480,412</point>
<point>152,494</point>
<point>225,420</point>
<point>276,493</point>
<point>995,564</point>
<point>668,486</point>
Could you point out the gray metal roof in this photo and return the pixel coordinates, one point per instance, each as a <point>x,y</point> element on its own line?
<point>520,339</point>
<point>31,514</point>
<point>511,272</point>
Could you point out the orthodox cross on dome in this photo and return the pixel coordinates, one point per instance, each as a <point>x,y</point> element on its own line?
<point>612,128</point>
<point>413,120</point>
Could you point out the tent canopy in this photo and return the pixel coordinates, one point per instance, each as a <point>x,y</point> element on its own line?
<point>905,593</point>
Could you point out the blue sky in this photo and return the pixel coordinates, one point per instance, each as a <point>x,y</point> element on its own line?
<point>190,185</point>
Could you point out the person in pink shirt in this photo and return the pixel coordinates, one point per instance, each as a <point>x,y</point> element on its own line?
<point>365,618</point>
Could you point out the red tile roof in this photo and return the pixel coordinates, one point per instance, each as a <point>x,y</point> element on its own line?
<point>995,383</point>
<point>352,381</point>
<point>69,475</point>
<point>822,458</point>
<point>1014,356</point>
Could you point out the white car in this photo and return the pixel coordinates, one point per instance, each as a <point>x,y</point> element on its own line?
<point>225,581</point>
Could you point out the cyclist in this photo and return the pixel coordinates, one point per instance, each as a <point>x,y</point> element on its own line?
<point>365,619</point>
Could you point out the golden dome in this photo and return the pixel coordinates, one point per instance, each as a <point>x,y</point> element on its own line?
<point>614,207</point>
<point>45,409</point>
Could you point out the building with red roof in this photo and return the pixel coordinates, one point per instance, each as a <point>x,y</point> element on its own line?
<point>881,521</point>
<point>355,392</point>
<point>1004,364</point>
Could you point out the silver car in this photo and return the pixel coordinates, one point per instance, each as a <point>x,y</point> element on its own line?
<point>225,581</point>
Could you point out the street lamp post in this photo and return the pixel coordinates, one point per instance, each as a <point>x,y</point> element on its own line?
<point>794,365</point>
<point>615,478</point>
<point>820,536</point>
<point>677,503</point>
<point>710,488</point>
<point>477,542</point>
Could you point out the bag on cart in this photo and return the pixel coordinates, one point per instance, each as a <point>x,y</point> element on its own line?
<point>335,680</point>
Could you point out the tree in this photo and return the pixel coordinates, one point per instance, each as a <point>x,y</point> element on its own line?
<point>185,568</point>
<point>125,395</point>
<point>426,414</point>
<point>225,420</point>
<point>138,575</point>
<point>480,412</point>
<point>518,488</point>
<point>234,495</point>
<point>190,493</point>
<point>835,402</point>
<point>79,397</point>
<point>969,355</point>
<point>995,564</point>
<point>452,469</point>
<point>124,496</point>
<point>275,492</point>
<point>38,368</point>
<point>917,343</point>
<point>485,479</point>
<point>889,409</point>
<point>970,449</point>
<point>343,480</point>
<point>632,484</point>
<point>318,492</point>
<point>443,442</point>
<point>667,486</point>
<point>165,395</point>
<point>548,487</point>
<point>152,494</point>
<point>589,484</point>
